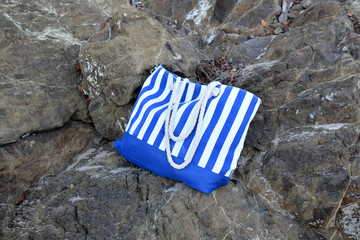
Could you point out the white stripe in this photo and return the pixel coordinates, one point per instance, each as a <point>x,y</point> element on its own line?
<point>160,124</point>
<point>218,128</point>
<point>190,91</point>
<point>150,102</point>
<point>150,117</point>
<point>146,83</point>
<point>148,80</point>
<point>162,144</point>
<point>157,128</point>
<point>232,133</point>
<point>176,149</point>
<point>177,146</point>
<point>180,113</point>
<point>207,118</point>
<point>144,95</point>
<point>241,145</point>
<point>148,120</point>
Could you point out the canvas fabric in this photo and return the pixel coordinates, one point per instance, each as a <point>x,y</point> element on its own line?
<point>222,133</point>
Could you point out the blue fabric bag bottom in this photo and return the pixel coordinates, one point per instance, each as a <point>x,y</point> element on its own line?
<point>154,160</point>
<point>186,131</point>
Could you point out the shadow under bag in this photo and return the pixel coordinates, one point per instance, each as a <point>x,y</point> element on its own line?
<point>187,131</point>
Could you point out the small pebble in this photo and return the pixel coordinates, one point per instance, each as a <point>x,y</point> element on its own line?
<point>275,25</point>
<point>278,31</point>
<point>25,135</point>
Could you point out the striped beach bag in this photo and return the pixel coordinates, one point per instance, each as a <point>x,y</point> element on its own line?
<point>187,131</point>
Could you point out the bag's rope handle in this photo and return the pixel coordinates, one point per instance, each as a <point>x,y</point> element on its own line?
<point>211,90</point>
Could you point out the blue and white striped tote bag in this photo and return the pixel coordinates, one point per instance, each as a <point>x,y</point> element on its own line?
<point>187,131</point>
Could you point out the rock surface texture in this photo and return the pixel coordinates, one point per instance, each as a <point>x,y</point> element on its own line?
<point>61,178</point>
<point>117,59</point>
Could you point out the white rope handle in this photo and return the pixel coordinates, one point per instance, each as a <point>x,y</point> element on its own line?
<point>200,106</point>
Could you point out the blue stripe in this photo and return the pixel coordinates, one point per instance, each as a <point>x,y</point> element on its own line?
<point>152,82</point>
<point>153,122</point>
<point>225,130</point>
<point>159,139</point>
<point>184,117</point>
<point>147,112</point>
<point>148,98</point>
<point>185,91</point>
<point>204,139</point>
<point>160,136</point>
<point>239,134</point>
<point>143,90</point>
<point>183,120</point>
<point>197,91</point>
<point>161,133</point>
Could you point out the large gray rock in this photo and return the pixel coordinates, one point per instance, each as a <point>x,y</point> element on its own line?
<point>116,61</point>
<point>305,156</point>
<point>309,168</point>
<point>24,162</point>
<point>172,13</point>
<point>34,98</point>
<point>211,21</point>
<point>39,46</point>
<point>102,196</point>
<point>347,219</point>
<point>336,101</point>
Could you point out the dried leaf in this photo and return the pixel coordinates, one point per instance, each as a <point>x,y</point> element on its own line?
<point>20,199</point>
<point>263,23</point>
<point>250,153</point>
<point>80,88</point>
